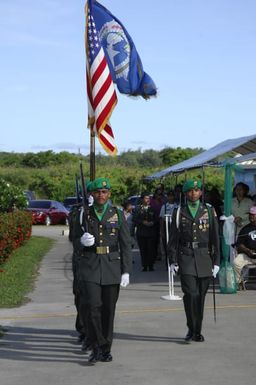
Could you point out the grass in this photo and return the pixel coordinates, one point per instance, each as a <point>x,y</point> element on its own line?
<point>20,271</point>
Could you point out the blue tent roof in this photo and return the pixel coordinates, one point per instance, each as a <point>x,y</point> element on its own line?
<point>243,145</point>
<point>241,159</point>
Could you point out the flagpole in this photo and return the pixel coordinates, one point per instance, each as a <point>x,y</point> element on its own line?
<point>90,124</point>
<point>92,154</point>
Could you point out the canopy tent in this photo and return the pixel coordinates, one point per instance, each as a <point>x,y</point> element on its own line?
<point>247,160</point>
<point>244,145</point>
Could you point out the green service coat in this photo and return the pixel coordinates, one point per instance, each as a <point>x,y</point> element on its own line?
<point>111,231</point>
<point>203,229</point>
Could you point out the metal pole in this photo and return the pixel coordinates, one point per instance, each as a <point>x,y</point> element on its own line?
<point>227,205</point>
<point>92,154</point>
<point>203,180</point>
<point>171,295</point>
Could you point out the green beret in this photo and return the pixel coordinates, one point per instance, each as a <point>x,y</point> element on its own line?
<point>190,184</point>
<point>100,183</point>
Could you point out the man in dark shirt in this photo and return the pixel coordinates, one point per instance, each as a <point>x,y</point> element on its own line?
<point>145,223</point>
<point>246,245</point>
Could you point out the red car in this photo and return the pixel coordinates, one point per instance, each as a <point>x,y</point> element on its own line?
<point>48,212</point>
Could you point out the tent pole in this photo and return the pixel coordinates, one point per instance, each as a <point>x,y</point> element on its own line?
<point>227,204</point>
<point>203,180</point>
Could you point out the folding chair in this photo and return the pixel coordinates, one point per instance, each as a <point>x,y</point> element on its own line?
<point>248,275</point>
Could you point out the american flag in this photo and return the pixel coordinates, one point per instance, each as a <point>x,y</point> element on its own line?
<point>101,92</point>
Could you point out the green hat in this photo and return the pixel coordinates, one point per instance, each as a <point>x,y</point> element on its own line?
<point>100,183</point>
<point>190,184</point>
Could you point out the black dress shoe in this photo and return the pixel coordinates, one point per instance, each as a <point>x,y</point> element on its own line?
<point>151,268</point>
<point>144,269</point>
<point>106,357</point>
<point>95,356</point>
<point>189,336</point>
<point>198,338</point>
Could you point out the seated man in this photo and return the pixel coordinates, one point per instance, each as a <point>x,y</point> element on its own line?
<point>246,246</point>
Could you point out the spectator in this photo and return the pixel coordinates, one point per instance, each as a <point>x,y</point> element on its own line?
<point>214,198</point>
<point>144,221</point>
<point>128,213</point>
<point>156,203</point>
<point>241,204</point>
<point>127,210</point>
<point>165,214</point>
<point>246,246</point>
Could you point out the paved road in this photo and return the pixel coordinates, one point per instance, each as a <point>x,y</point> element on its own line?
<point>40,346</point>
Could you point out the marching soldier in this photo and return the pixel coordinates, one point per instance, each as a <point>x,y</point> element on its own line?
<point>80,326</point>
<point>102,239</point>
<point>193,250</point>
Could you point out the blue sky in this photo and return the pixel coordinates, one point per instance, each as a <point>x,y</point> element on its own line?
<point>200,53</point>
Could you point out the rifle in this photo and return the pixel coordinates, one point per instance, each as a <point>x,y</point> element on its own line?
<point>84,197</point>
<point>78,197</point>
<point>213,279</point>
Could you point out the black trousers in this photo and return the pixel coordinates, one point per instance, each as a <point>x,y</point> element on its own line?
<point>147,250</point>
<point>99,304</point>
<point>80,324</point>
<point>194,289</point>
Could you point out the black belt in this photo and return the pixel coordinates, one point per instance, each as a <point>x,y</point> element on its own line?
<point>101,249</point>
<point>195,245</point>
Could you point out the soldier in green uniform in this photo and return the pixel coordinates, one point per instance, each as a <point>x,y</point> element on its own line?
<point>193,250</point>
<point>101,238</point>
<point>80,325</point>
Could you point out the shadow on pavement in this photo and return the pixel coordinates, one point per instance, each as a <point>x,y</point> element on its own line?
<point>47,345</point>
<point>136,337</point>
<point>56,345</point>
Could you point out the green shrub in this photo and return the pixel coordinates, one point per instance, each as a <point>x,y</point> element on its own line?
<point>15,228</point>
<point>11,197</point>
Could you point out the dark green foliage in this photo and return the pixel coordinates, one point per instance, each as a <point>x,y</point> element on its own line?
<point>11,197</point>
<point>171,156</point>
<point>46,158</point>
<point>52,175</point>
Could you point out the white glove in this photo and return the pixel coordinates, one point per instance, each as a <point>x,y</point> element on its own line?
<point>215,270</point>
<point>174,268</point>
<point>87,239</point>
<point>125,280</point>
<point>90,200</point>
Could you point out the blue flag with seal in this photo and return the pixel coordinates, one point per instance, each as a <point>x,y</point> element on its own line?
<point>123,59</point>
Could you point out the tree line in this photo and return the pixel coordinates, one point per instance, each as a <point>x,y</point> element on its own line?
<point>52,175</point>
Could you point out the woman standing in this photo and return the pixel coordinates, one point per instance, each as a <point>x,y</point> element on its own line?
<point>241,205</point>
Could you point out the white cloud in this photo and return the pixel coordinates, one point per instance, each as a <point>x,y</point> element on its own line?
<point>61,147</point>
